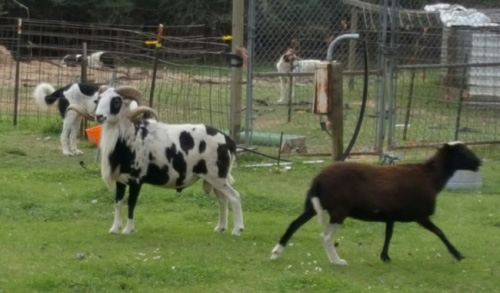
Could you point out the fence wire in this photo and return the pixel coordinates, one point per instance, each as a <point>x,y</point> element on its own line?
<point>192,81</point>
<point>428,80</point>
<point>430,83</point>
<point>443,89</point>
<point>308,28</point>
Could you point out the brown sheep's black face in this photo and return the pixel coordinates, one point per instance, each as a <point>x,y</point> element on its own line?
<point>462,157</point>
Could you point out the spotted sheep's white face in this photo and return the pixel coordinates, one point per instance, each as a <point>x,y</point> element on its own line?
<point>110,106</point>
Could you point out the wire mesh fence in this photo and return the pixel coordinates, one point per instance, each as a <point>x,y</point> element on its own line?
<point>430,81</point>
<point>191,80</point>
<point>446,83</point>
<point>307,28</point>
<point>435,72</point>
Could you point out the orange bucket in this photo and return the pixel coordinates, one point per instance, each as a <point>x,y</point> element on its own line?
<point>93,134</point>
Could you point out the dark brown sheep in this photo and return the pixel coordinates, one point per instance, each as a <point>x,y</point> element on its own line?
<point>401,193</point>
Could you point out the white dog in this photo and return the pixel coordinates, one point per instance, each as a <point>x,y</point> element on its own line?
<point>81,94</point>
<point>98,60</point>
<point>290,62</point>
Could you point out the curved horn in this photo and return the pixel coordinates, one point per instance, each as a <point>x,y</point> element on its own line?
<point>130,93</point>
<point>80,110</point>
<point>141,110</point>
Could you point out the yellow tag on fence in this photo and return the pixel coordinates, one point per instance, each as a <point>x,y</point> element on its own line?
<point>153,42</point>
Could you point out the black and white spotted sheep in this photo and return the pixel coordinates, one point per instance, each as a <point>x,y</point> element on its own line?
<point>168,155</point>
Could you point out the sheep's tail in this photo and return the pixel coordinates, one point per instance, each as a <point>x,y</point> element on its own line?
<point>312,196</point>
<point>41,91</point>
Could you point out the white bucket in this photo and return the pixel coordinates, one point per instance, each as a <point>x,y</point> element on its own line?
<point>463,179</point>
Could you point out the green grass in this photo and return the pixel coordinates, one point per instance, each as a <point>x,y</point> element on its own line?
<point>51,210</point>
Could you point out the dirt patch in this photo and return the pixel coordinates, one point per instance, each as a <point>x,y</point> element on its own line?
<point>5,56</point>
<point>49,70</point>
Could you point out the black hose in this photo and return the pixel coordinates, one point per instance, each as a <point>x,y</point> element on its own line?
<point>358,123</point>
<point>363,105</point>
<point>262,154</point>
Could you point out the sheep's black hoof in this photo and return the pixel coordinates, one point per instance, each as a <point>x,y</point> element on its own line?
<point>458,256</point>
<point>385,258</point>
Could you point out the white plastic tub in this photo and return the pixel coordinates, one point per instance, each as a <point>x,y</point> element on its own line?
<point>465,180</point>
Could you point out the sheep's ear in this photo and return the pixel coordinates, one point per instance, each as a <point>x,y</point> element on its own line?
<point>133,105</point>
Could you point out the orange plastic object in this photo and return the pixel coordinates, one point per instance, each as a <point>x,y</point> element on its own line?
<point>93,134</point>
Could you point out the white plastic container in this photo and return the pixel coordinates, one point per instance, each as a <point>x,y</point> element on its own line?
<point>463,179</point>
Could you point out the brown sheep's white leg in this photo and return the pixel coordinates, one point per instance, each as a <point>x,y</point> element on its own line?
<point>329,248</point>
<point>292,228</point>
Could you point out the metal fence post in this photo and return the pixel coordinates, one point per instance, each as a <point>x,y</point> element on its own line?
<point>155,65</point>
<point>352,46</point>
<point>461,98</point>
<point>380,125</point>
<point>18,61</point>
<point>391,91</point>
<point>83,76</point>
<point>290,95</point>
<point>409,104</point>
<point>236,72</point>
<point>250,50</point>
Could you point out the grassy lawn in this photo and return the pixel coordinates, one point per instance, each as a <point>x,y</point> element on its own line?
<point>55,216</point>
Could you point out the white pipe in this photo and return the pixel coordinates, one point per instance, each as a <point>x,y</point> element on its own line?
<point>329,54</point>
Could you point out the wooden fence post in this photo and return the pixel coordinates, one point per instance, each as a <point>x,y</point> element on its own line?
<point>336,115</point>
<point>236,72</point>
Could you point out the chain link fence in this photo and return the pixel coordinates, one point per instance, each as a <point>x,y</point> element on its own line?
<point>308,28</point>
<point>446,76</point>
<point>430,82</point>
